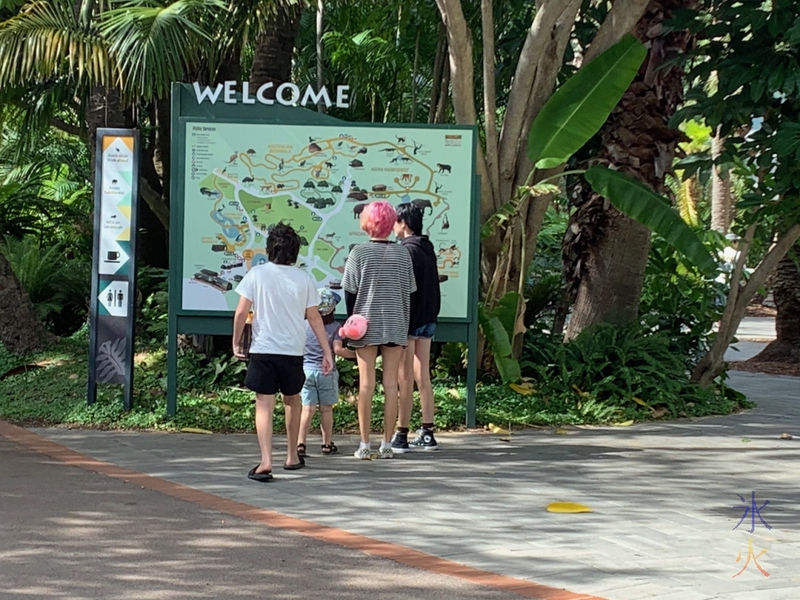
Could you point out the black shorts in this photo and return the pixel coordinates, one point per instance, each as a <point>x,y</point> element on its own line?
<point>273,373</point>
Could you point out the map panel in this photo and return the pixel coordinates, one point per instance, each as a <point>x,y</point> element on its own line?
<point>241,178</point>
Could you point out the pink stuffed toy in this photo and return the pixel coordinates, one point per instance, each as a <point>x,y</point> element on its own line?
<point>354,328</point>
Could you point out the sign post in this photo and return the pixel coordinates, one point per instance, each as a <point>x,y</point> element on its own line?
<point>113,301</point>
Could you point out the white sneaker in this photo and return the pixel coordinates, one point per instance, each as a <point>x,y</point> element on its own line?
<point>363,453</point>
<point>385,452</point>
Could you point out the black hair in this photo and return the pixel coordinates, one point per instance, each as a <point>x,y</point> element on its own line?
<point>411,215</point>
<point>283,244</point>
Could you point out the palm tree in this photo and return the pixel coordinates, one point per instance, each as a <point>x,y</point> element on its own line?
<point>605,251</point>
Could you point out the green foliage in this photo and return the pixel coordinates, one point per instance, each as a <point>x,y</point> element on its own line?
<point>578,109</point>
<point>498,327</point>
<point>58,287</point>
<point>679,302</point>
<point>8,360</point>
<point>642,204</point>
<point>211,397</point>
<point>612,373</point>
<point>451,363</point>
<point>755,108</point>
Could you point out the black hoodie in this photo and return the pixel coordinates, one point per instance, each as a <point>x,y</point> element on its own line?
<point>426,301</point>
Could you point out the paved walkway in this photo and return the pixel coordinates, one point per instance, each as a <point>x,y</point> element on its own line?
<point>664,496</point>
<point>69,533</point>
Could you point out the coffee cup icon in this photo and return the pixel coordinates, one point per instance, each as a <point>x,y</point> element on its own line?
<point>112,256</point>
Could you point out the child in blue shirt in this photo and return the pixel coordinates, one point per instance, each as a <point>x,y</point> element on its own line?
<point>319,388</point>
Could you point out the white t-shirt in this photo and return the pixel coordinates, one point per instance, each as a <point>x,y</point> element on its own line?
<point>280,295</point>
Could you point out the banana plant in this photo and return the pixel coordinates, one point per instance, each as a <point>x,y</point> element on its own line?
<point>569,119</point>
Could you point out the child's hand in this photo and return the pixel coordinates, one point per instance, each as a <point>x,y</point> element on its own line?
<point>327,363</point>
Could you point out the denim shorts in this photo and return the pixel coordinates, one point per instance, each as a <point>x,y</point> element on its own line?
<point>425,331</point>
<point>320,388</point>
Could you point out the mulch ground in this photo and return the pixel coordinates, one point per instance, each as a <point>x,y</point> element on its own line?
<point>769,368</point>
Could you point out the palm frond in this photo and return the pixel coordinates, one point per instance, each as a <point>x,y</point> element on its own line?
<point>46,40</point>
<point>154,43</point>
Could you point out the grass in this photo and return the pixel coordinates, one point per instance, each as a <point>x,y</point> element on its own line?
<point>210,398</point>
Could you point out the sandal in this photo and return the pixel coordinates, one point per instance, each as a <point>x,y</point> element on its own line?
<point>329,448</point>
<point>301,450</point>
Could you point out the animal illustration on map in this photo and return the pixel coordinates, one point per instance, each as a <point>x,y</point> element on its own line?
<point>445,224</point>
<point>406,178</point>
<point>386,150</point>
<point>362,150</point>
<point>339,145</point>
<point>206,192</point>
<point>450,255</point>
<point>280,165</point>
<point>400,140</point>
<point>251,151</point>
<point>358,209</point>
<point>233,158</point>
<point>437,187</point>
<point>248,180</point>
<point>266,188</point>
<point>302,163</point>
<point>405,159</point>
<point>329,165</point>
<point>422,204</point>
<point>225,170</point>
<point>296,205</point>
<point>417,148</point>
<point>355,163</point>
<point>289,203</point>
<point>444,168</point>
<point>312,140</point>
<point>113,182</point>
<point>280,186</point>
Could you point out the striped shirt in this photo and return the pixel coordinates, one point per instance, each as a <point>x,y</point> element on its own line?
<point>381,276</point>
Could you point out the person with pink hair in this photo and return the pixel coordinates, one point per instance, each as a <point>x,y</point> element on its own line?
<point>378,282</point>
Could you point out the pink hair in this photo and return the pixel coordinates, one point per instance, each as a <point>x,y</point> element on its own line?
<point>378,219</point>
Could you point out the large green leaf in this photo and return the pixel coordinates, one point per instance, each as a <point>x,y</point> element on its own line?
<point>578,109</point>
<point>508,368</point>
<point>495,335</point>
<point>506,312</point>
<point>642,204</point>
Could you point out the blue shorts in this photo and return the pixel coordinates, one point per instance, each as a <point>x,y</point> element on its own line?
<point>320,388</point>
<point>425,331</point>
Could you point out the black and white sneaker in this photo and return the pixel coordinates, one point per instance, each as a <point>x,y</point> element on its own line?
<point>399,442</point>
<point>424,440</point>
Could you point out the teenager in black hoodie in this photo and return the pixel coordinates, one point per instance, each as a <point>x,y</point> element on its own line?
<point>425,304</point>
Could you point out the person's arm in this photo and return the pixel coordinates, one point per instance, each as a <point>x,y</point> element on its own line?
<point>350,302</point>
<point>239,321</point>
<point>351,282</point>
<point>315,321</point>
<point>340,350</point>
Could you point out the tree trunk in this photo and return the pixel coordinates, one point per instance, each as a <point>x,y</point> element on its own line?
<point>786,292</point>
<point>721,205</point>
<point>444,96</point>
<point>272,61</point>
<point>319,51</point>
<point>21,331</point>
<point>605,252</point>
<point>436,75</point>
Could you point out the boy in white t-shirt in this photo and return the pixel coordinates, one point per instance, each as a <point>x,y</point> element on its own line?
<point>281,297</point>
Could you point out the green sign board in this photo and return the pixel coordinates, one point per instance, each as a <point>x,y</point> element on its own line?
<point>238,168</point>
<point>241,177</point>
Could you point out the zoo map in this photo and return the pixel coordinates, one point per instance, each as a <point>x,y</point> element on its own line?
<point>241,178</point>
